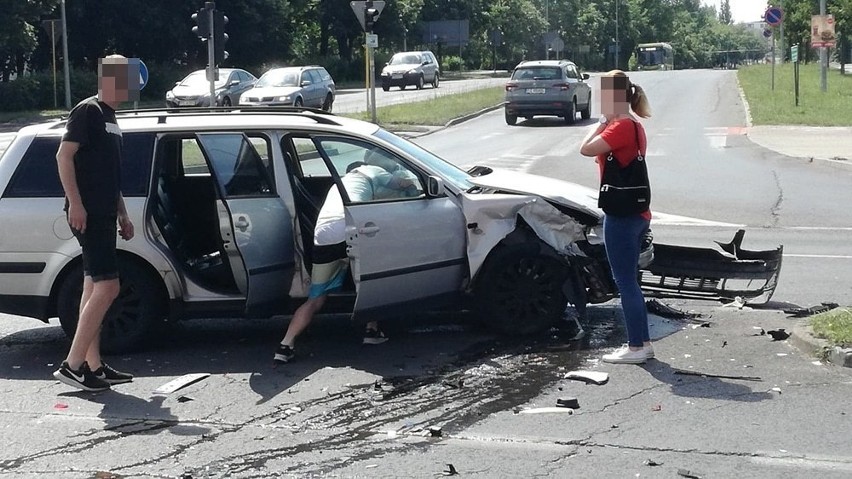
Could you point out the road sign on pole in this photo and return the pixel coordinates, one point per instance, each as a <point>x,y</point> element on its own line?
<point>360,8</point>
<point>774,16</point>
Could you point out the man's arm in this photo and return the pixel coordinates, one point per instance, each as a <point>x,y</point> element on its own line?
<point>68,177</point>
<point>124,223</point>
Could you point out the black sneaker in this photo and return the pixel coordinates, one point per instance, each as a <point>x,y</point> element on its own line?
<point>83,378</point>
<point>374,336</point>
<point>111,376</point>
<point>284,354</point>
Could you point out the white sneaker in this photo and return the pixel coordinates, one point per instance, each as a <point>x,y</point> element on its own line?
<point>649,352</point>
<point>624,355</point>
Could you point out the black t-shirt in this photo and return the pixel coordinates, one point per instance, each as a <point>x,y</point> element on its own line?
<point>97,163</point>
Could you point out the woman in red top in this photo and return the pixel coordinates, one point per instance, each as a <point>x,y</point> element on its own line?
<point>623,235</point>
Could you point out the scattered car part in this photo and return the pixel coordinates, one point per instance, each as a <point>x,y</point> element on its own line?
<point>594,377</point>
<point>805,312</point>
<point>572,403</point>
<point>666,311</point>
<point>778,334</point>
<point>179,383</point>
<point>686,372</point>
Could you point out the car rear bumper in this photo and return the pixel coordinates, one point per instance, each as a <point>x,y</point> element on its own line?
<point>537,108</point>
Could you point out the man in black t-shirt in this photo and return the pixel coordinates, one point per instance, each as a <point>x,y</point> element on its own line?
<point>89,161</point>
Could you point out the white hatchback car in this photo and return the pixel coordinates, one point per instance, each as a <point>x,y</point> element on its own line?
<point>225,200</point>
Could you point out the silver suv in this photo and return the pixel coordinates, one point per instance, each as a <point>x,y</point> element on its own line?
<point>297,86</point>
<point>411,68</point>
<point>224,202</point>
<point>548,87</point>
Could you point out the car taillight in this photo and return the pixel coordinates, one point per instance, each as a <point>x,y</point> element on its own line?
<point>562,86</point>
<point>511,86</point>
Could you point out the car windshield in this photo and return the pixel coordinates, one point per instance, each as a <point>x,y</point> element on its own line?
<point>537,73</point>
<point>405,59</point>
<point>199,80</point>
<point>279,78</point>
<point>450,173</point>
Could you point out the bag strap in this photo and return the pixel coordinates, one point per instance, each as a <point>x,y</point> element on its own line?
<point>638,142</point>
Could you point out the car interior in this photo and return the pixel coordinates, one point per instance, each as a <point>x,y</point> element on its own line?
<point>184,210</point>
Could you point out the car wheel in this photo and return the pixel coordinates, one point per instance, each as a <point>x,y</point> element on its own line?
<point>586,113</point>
<point>402,87</point>
<point>571,113</point>
<point>140,307</point>
<point>386,87</point>
<point>511,119</point>
<point>420,82</point>
<point>298,103</point>
<point>520,289</point>
<point>436,81</point>
<point>329,101</point>
<point>226,101</point>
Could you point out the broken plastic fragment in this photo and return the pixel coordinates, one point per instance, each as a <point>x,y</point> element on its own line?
<point>572,403</point>
<point>185,399</point>
<point>652,463</point>
<point>688,474</point>
<point>435,431</point>
<point>720,376</point>
<point>543,410</point>
<point>778,334</point>
<point>450,470</point>
<point>595,377</point>
<point>777,390</point>
<point>60,405</point>
<point>655,307</point>
<point>180,382</point>
<point>657,408</point>
<point>804,312</point>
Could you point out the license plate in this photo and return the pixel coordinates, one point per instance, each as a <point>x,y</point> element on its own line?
<point>535,91</point>
<point>397,76</point>
<point>186,102</point>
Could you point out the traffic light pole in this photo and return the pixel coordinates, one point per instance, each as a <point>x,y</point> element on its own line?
<point>211,56</point>
<point>372,77</point>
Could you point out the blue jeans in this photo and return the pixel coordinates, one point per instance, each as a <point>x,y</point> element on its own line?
<point>623,240</point>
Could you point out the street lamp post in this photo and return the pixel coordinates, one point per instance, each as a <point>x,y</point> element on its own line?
<point>65,58</point>
<point>617,49</point>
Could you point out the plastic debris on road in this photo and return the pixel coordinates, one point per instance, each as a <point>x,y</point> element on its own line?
<point>688,474</point>
<point>778,334</point>
<point>450,470</point>
<point>593,377</point>
<point>805,312</point>
<point>652,463</point>
<point>572,403</point>
<point>544,410</point>
<point>181,382</point>
<point>655,307</point>
<point>718,376</point>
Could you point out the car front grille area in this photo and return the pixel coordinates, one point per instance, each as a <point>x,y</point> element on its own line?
<point>264,99</point>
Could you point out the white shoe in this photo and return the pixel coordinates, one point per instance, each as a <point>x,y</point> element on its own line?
<point>624,355</point>
<point>649,352</point>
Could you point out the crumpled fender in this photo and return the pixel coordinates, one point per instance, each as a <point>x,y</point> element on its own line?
<point>490,218</point>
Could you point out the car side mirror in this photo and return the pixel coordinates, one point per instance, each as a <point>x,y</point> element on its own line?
<point>234,83</point>
<point>434,187</point>
<point>426,62</point>
<point>585,76</point>
<point>177,83</point>
<point>305,83</point>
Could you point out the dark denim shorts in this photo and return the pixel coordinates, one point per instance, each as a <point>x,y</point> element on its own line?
<point>98,242</point>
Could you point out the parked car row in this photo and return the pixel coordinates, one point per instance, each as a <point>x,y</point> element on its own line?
<point>297,86</point>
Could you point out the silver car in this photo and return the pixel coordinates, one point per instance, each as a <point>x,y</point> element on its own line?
<point>224,204</point>
<point>294,86</point>
<point>411,68</point>
<point>548,87</point>
<point>194,89</point>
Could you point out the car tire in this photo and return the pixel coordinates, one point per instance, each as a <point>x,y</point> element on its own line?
<point>226,101</point>
<point>420,82</point>
<point>140,308</point>
<point>386,87</point>
<point>436,81</point>
<point>586,113</point>
<point>327,104</point>
<point>402,87</point>
<point>571,113</point>
<point>298,102</point>
<point>511,119</point>
<point>520,289</point>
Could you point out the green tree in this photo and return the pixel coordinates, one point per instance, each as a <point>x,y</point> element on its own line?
<point>19,27</point>
<point>725,17</point>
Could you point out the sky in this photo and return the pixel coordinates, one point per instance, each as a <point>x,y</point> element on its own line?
<point>743,10</point>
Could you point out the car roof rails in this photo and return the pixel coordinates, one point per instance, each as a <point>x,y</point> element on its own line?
<point>318,115</point>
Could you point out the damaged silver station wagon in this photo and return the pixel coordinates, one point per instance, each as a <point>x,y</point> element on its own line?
<point>224,202</point>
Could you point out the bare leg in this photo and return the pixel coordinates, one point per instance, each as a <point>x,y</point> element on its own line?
<point>302,318</point>
<point>92,313</point>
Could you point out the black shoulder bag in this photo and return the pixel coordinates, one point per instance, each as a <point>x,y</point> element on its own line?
<point>625,191</point>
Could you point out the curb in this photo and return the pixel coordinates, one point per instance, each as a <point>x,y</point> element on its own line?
<point>802,337</point>
<point>456,121</point>
<point>749,123</point>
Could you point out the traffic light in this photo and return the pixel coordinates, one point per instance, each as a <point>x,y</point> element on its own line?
<point>202,21</point>
<point>219,36</point>
<point>371,14</point>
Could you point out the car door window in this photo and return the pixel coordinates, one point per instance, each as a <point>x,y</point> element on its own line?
<point>369,173</point>
<point>314,76</point>
<point>238,167</point>
<point>308,162</point>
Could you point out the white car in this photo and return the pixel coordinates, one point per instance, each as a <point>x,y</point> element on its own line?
<point>224,204</point>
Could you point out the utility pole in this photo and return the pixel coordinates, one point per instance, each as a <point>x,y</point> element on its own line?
<point>66,67</point>
<point>617,49</point>
<point>823,56</point>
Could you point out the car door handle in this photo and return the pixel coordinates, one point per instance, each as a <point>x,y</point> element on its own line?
<point>241,224</point>
<point>369,229</point>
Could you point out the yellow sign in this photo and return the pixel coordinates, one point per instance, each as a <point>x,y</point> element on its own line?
<point>822,31</point>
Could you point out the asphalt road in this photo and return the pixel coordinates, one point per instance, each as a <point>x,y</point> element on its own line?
<point>346,410</point>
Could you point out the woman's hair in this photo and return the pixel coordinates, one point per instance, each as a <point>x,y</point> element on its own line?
<point>635,94</point>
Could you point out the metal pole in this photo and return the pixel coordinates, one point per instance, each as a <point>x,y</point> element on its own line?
<point>773,62</point>
<point>823,56</point>
<point>616,34</point>
<point>783,52</point>
<point>372,75</point>
<point>65,59</point>
<point>53,57</point>
<point>211,55</point>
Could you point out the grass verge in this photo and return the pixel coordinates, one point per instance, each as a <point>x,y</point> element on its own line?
<point>436,111</point>
<point>778,107</point>
<point>834,326</point>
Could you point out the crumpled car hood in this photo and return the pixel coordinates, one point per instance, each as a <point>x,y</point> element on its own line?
<point>569,194</point>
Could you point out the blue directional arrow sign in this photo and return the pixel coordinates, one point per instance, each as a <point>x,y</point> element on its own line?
<point>773,16</point>
<point>143,74</point>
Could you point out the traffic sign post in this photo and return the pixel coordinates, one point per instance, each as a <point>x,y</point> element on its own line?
<point>794,57</point>
<point>367,13</point>
<point>774,16</point>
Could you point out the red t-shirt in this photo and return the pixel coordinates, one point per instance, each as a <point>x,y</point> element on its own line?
<point>620,135</point>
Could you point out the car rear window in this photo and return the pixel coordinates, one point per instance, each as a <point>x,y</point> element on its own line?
<point>537,73</point>
<point>37,175</point>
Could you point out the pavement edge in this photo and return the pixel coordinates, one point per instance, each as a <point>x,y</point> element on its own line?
<point>803,338</point>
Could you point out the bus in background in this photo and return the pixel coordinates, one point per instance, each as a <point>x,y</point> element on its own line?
<point>654,56</point>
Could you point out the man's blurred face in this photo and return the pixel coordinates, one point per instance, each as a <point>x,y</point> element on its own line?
<point>118,80</point>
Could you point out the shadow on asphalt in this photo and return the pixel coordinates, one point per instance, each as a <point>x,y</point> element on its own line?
<point>552,121</point>
<point>701,386</point>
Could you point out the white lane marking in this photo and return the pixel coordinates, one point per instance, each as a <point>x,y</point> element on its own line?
<point>666,219</point>
<point>820,256</point>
